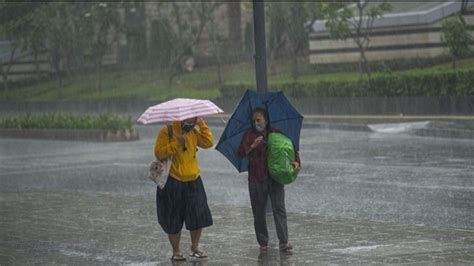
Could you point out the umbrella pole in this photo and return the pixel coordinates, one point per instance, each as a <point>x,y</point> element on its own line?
<point>260,45</point>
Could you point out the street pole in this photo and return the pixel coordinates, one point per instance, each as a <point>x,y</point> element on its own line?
<point>260,58</point>
<point>260,45</point>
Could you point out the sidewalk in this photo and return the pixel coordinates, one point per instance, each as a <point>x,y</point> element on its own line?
<point>127,233</point>
<point>360,198</point>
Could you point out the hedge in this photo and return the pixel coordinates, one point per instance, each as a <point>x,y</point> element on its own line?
<point>105,121</point>
<point>437,83</point>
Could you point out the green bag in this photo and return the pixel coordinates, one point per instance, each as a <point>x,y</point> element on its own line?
<point>280,154</point>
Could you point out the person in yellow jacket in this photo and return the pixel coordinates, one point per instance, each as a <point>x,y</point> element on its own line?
<point>183,198</point>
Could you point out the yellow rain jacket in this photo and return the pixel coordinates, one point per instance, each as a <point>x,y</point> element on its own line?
<point>184,166</point>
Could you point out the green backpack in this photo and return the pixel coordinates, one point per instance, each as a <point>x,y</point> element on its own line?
<point>280,154</point>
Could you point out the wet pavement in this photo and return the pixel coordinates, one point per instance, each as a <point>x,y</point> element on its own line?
<point>361,198</point>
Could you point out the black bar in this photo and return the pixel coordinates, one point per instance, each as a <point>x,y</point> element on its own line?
<point>260,49</point>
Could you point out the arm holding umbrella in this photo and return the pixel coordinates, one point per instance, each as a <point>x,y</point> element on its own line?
<point>248,144</point>
<point>204,137</point>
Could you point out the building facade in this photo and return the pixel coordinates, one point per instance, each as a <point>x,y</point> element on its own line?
<point>412,32</point>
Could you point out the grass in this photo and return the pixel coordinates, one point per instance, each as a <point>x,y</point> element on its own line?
<point>201,83</point>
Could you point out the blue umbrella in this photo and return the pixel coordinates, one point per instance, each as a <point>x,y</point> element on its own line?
<point>281,115</point>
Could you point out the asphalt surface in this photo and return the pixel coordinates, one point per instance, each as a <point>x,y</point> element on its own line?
<point>362,197</point>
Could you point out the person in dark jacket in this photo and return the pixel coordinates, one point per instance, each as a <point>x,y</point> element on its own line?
<point>261,185</point>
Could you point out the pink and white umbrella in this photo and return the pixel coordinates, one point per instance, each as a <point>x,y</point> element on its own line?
<point>177,110</point>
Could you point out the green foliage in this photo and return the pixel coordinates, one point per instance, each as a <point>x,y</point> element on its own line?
<point>106,121</point>
<point>337,21</point>
<point>188,20</point>
<point>277,26</point>
<point>102,19</point>
<point>16,21</point>
<point>149,85</point>
<point>161,43</point>
<point>345,23</point>
<point>456,34</point>
<point>297,33</point>
<point>134,27</point>
<point>436,83</point>
<point>294,34</point>
<point>248,38</point>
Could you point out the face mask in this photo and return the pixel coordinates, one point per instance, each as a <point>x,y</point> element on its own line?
<point>187,127</point>
<point>260,127</point>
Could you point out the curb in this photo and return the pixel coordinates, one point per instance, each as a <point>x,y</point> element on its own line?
<point>360,123</point>
<point>445,133</point>
<point>338,126</point>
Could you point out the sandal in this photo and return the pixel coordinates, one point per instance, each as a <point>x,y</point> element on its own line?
<point>198,254</point>
<point>178,257</point>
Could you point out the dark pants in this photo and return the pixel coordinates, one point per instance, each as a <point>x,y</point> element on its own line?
<point>182,202</point>
<point>259,192</point>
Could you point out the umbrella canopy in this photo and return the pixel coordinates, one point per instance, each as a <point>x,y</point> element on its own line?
<point>177,110</point>
<point>281,114</point>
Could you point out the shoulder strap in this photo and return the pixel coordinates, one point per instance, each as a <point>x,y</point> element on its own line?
<point>170,131</point>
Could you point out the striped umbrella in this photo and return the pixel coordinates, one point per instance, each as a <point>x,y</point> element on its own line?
<point>178,110</point>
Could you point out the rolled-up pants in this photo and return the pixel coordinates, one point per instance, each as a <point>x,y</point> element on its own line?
<point>259,193</point>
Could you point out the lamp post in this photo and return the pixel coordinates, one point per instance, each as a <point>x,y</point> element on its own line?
<point>260,45</point>
<point>260,57</point>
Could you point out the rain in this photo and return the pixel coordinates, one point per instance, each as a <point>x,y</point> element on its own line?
<point>386,89</point>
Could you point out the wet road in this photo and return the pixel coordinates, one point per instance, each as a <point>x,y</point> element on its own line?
<point>80,202</point>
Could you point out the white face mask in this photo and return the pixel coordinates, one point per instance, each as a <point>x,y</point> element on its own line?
<point>260,127</point>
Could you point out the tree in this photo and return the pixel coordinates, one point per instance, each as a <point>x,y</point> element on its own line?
<point>134,27</point>
<point>104,26</point>
<point>56,32</point>
<point>455,33</point>
<point>277,29</point>
<point>162,41</point>
<point>15,26</point>
<point>464,6</point>
<point>297,33</point>
<point>187,30</point>
<point>358,25</point>
<point>289,29</point>
<point>216,40</point>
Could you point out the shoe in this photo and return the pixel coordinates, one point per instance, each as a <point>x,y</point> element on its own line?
<point>285,247</point>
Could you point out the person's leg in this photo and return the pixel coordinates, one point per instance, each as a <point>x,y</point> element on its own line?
<point>198,214</point>
<point>277,197</point>
<point>170,212</point>
<point>195,236</point>
<point>195,251</point>
<point>258,198</point>
<point>174,241</point>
